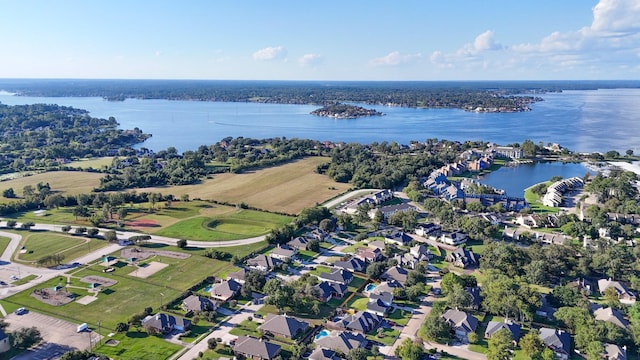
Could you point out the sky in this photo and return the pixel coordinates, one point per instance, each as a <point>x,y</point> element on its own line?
<point>407,40</point>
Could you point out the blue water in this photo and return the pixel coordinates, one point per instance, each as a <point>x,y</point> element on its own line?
<point>584,121</point>
<point>322,334</point>
<point>370,287</point>
<point>514,180</point>
<point>207,288</point>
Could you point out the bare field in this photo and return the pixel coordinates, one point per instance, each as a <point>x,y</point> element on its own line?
<point>66,182</point>
<point>287,188</point>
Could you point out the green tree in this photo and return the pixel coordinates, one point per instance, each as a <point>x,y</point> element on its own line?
<point>528,148</point>
<point>24,338</point>
<point>409,350</point>
<point>532,344</point>
<point>500,346</point>
<point>459,297</point>
<point>448,281</point>
<point>110,236</point>
<point>9,193</point>
<point>357,354</point>
<point>182,243</point>
<point>436,329</point>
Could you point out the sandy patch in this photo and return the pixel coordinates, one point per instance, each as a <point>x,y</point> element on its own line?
<point>151,268</point>
<point>86,300</point>
<point>98,280</point>
<point>142,223</point>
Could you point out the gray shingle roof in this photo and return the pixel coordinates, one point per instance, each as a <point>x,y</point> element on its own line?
<point>250,346</point>
<point>283,325</point>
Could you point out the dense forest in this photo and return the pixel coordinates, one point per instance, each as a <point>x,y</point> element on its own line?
<point>42,135</point>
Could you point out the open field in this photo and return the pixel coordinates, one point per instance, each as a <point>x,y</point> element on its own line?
<point>40,244</point>
<point>287,188</point>
<point>536,202</point>
<point>130,295</point>
<point>95,163</point>
<point>4,241</point>
<point>65,182</point>
<point>235,225</point>
<point>138,346</point>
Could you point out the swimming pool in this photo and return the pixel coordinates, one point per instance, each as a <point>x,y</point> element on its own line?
<point>370,287</point>
<point>322,334</point>
<point>208,288</point>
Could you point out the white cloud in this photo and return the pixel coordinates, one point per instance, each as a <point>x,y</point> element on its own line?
<point>612,40</point>
<point>158,53</point>
<point>395,58</point>
<point>312,60</point>
<point>270,53</point>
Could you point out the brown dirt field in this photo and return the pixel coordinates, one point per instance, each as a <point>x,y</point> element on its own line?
<point>142,253</point>
<point>66,182</point>
<point>151,268</point>
<point>287,188</point>
<point>98,279</point>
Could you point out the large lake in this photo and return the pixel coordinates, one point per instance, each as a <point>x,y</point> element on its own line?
<point>584,121</point>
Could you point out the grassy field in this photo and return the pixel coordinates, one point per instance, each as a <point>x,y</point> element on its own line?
<point>287,188</point>
<point>138,345</point>
<point>95,163</point>
<point>4,241</point>
<point>238,224</point>
<point>536,203</point>
<point>130,295</point>
<point>65,182</point>
<point>40,244</point>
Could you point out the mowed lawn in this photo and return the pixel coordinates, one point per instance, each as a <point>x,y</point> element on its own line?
<point>130,295</point>
<point>65,182</point>
<point>239,224</point>
<point>288,188</point>
<point>41,244</point>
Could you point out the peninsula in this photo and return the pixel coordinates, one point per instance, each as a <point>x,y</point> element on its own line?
<point>345,111</point>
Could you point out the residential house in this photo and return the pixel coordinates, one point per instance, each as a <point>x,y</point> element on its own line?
<point>196,304</point>
<point>384,296</point>
<point>505,152</point>
<point>165,323</point>
<point>324,354</point>
<point>342,341</point>
<point>557,340</point>
<point>329,290</point>
<point>390,210</point>
<point>395,273</point>
<point>387,286</point>
<point>361,321</point>
<point>476,299</point>
<point>378,307</point>
<point>615,352</point>
<point>399,238</point>
<point>611,315</point>
<point>225,290</point>
<point>257,349</point>
<point>316,234</point>
<point>353,265</point>
<point>377,244</point>
<point>421,252</point>
<point>529,221</point>
<point>583,285</point>
<point>461,322</point>
<point>495,326</point>
<point>283,253</point>
<point>624,295</point>
<point>368,254</point>
<point>545,310</point>
<point>263,262</point>
<point>283,326</point>
<point>455,238</point>
<point>5,342</point>
<point>238,276</point>
<point>338,276</point>
<point>463,258</point>
<point>299,243</point>
<point>428,229</point>
<point>406,260</point>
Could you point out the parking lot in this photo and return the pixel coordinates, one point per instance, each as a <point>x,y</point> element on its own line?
<point>58,335</point>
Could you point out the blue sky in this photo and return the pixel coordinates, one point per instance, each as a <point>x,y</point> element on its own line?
<point>321,40</point>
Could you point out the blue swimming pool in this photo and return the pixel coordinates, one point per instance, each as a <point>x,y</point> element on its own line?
<point>370,287</point>
<point>322,334</point>
<point>208,288</point>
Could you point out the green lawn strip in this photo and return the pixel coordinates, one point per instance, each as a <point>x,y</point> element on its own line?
<point>356,283</point>
<point>358,303</point>
<point>221,350</point>
<point>4,242</point>
<point>138,346</point>
<point>400,317</point>
<point>245,250</point>
<point>352,248</point>
<point>24,280</point>
<point>197,331</point>
<point>326,245</point>
<point>536,204</point>
<point>319,270</point>
<point>389,336</point>
<point>52,216</point>
<point>263,216</point>
<point>246,328</point>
